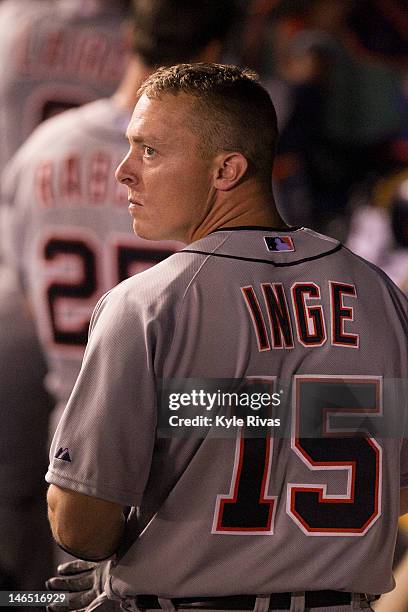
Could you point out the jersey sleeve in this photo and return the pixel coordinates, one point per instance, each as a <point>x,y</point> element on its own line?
<point>104,441</point>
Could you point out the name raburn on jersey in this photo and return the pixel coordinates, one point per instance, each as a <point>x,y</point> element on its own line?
<point>77,181</point>
<point>301,314</point>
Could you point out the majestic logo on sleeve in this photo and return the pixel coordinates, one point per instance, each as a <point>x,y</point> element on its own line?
<point>302,316</point>
<point>63,454</point>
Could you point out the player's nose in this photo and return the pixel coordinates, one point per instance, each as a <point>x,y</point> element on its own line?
<point>127,172</point>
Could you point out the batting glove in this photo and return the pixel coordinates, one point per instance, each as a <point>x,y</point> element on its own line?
<point>83,581</point>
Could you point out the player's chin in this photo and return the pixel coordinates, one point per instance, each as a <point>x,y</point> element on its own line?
<point>143,230</point>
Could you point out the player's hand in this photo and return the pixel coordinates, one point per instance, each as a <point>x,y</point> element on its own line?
<point>83,581</point>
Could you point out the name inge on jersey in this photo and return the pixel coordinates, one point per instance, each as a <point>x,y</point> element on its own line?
<point>301,314</point>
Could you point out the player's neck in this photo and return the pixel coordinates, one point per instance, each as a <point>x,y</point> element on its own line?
<point>126,94</point>
<point>246,206</point>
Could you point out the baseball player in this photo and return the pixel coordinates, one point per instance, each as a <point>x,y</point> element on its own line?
<point>231,522</point>
<point>55,54</point>
<point>69,234</point>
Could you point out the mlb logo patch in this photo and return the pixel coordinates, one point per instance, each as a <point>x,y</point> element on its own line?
<point>279,243</point>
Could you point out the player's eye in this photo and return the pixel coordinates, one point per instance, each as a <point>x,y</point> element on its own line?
<point>148,151</point>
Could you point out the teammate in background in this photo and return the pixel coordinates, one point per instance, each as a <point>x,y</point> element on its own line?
<point>55,54</point>
<point>70,237</point>
<point>297,525</point>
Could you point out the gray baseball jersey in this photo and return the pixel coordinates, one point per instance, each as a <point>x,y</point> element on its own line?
<point>55,55</point>
<point>71,235</point>
<point>219,515</point>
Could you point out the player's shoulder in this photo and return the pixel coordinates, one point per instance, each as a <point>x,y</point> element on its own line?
<point>73,122</point>
<point>167,281</point>
<point>142,302</point>
<point>99,121</point>
<point>163,287</point>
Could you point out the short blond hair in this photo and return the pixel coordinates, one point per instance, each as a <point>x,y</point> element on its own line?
<point>231,111</point>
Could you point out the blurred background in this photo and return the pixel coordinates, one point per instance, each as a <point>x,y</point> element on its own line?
<point>337,72</point>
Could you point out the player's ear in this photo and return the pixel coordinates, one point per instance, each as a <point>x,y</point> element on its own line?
<point>229,169</point>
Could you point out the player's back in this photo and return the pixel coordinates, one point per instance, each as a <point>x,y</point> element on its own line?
<point>72,238</point>
<point>328,334</point>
